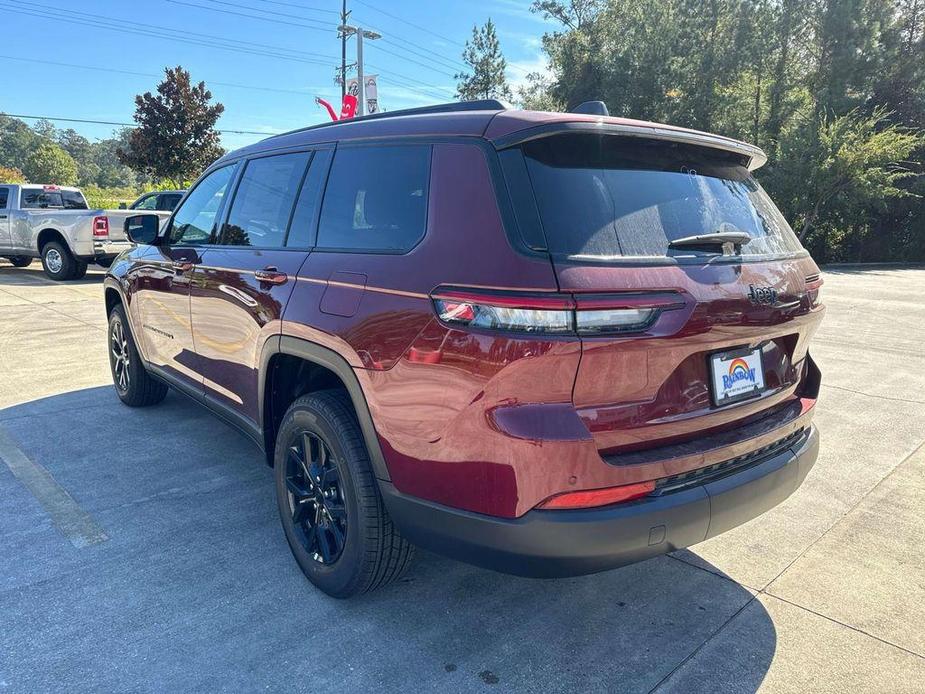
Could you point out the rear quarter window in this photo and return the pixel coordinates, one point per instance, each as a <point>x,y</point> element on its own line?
<point>4,197</point>
<point>376,198</point>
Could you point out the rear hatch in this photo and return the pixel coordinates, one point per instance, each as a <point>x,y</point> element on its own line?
<point>704,335</point>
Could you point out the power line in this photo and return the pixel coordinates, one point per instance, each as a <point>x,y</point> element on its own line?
<point>169,33</point>
<point>128,125</point>
<point>301,7</point>
<point>322,28</point>
<point>147,74</point>
<point>428,30</point>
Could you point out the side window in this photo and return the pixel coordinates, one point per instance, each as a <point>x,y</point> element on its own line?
<point>376,198</point>
<point>302,229</point>
<point>193,221</point>
<point>263,201</point>
<point>146,203</point>
<point>4,197</point>
<point>167,201</point>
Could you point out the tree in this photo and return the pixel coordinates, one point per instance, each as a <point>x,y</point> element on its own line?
<point>176,137</point>
<point>48,163</point>
<point>11,175</point>
<point>483,55</point>
<point>859,159</point>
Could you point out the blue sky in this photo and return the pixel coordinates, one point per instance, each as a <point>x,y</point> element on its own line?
<point>131,43</point>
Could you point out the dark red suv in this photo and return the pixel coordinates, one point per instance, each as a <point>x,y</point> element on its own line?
<point>545,343</point>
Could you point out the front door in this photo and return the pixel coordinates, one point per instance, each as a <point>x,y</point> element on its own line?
<point>161,281</point>
<point>5,240</point>
<point>246,278</point>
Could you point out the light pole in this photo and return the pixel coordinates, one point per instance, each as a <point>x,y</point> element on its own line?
<point>360,34</point>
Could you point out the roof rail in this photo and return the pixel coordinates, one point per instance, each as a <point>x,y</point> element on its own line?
<point>452,107</point>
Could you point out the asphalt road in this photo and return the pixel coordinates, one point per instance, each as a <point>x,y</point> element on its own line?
<point>140,549</point>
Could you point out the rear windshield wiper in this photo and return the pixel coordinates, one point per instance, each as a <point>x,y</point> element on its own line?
<point>719,238</point>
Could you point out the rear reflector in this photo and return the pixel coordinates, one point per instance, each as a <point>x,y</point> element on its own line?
<point>553,314</point>
<point>599,497</point>
<point>100,226</point>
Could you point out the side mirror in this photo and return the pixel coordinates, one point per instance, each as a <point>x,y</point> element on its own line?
<point>142,228</point>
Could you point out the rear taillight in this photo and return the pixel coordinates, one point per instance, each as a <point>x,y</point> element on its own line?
<point>553,314</point>
<point>100,227</point>
<point>813,289</point>
<point>591,498</point>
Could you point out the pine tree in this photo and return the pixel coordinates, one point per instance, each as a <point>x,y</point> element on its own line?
<point>483,55</point>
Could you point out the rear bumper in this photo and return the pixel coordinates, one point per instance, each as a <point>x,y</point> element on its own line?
<point>570,543</point>
<point>109,249</point>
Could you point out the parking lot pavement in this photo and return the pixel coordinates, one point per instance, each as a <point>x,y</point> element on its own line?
<point>141,549</point>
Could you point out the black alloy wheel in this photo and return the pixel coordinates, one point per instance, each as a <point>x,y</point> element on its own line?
<point>316,501</point>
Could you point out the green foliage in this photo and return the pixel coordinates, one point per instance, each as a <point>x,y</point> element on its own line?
<point>833,90</point>
<point>111,198</point>
<point>49,163</point>
<point>176,137</point>
<point>11,175</point>
<point>483,55</point>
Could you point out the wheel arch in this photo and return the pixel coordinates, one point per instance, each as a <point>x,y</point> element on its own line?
<point>318,368</point>
<point>49,234</point>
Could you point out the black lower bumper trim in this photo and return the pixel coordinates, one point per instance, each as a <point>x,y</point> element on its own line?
<point>571,543</point>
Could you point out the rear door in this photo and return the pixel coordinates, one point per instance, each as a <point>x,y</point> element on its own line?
<point>247,276</point>
<point>672,322</point>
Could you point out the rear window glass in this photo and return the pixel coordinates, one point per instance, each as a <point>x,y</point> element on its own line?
<point>376,198</point>
<point>34,198</point>
<point>607,196</point>
<point>4,196</point>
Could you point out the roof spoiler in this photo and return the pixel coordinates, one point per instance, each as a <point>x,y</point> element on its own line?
<point>755,157</point>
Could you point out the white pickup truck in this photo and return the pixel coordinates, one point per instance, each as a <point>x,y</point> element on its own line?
<point>55,223</point>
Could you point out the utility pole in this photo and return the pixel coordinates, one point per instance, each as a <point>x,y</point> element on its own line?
<point>343,52</point>
<point>360,34</point>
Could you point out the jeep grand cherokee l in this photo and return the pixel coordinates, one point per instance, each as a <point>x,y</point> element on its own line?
<point>545,343</point>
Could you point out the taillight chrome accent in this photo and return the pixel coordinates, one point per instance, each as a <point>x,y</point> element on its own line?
<point>813,289</point>
<point>100,227</point>
<point>553,314</point>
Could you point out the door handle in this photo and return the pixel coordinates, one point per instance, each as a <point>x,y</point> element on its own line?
<point>180,267</point>
<point>2,216</point>
<point>271,275</point>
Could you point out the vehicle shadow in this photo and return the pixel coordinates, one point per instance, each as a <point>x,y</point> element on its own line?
<point>34,275</point>
<point>195,588</point>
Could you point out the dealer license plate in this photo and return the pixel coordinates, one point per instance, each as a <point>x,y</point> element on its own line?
<point>737,376</point>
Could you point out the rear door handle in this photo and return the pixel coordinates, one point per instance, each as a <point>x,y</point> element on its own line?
<point>271,275</point>
<point>2,216</point>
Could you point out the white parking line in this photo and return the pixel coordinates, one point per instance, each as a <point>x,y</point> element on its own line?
<point>74,523</point>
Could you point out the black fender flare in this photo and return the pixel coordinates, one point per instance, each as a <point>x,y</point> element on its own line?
<point>331,360</point>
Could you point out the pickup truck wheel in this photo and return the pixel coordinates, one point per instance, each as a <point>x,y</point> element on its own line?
<point>329,502</point>
<point>21,260</point>
<point>134,385</point>
<point>58,262</point>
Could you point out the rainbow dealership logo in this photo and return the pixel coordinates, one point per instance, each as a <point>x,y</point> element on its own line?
<point>739,371</point>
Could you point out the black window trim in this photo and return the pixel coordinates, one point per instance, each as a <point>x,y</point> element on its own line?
<point>373,144</point>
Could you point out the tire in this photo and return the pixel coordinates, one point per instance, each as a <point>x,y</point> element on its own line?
<point>134,385</point>
<point>372,552</point>
<point>58,262</point>
<point>21,260</point>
